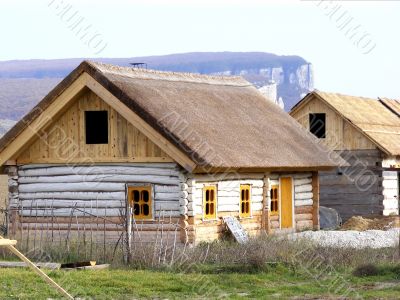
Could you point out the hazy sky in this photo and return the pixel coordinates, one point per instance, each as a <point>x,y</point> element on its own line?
<point>354,46</point>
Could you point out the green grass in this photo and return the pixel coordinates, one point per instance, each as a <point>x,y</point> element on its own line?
<point>208,282</point>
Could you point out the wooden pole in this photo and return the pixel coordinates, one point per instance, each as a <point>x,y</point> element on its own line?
<point>38,271</point>
<point>315,190</point>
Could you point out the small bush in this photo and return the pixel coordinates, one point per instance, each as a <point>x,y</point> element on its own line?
<point>366,270</point>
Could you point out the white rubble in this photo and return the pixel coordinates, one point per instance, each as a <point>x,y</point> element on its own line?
<point>352,239</point>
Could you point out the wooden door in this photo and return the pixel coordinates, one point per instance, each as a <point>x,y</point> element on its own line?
<point>286,203</point>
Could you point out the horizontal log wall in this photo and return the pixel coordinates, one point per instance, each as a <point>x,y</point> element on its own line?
<point>303,201</point>
<point>357,189</point>
<point>58,192</point>
<point>228,199</point>
<point>390,186</point>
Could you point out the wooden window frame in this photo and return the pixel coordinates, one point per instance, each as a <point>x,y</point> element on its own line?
<point>275,187</point>
<point>245,187</point>
<point>208,217</point>
<point>141,187</point>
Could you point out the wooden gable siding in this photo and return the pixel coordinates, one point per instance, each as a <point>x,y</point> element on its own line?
<point>64,140</point>
<point>340,134</point>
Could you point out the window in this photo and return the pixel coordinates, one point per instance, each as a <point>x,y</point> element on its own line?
<point>318,125</point>
<point>245,200</point>
<point>274,200</point>
<point>141,202</point>
<point>96,126</point>
<point>210,202</point>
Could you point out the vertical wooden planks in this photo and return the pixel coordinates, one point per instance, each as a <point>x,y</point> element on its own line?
<point>286,202</point>
<point>65,139</point>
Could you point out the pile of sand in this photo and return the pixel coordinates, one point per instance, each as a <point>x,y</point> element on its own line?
<point>380,223</point>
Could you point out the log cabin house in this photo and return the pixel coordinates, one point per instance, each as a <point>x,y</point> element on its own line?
<point>366,133</point>
<point>138,144</point>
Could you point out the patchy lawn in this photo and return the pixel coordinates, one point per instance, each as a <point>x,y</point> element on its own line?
<point>279,282</point>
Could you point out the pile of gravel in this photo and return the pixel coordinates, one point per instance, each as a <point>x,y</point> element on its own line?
<point>352,238</point>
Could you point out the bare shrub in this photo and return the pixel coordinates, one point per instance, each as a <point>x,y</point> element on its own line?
<point>366,270</point>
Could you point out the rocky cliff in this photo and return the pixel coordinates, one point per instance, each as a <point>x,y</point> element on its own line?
<point>283,79</point>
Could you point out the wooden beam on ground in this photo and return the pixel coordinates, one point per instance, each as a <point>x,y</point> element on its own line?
<point>5,242</point>
<point>21,264</point>
<point>37,270</point>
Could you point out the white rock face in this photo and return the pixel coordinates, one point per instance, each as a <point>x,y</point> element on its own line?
<point>270,91</point>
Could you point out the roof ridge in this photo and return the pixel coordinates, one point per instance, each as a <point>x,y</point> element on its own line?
<point>168,75</point>
<point>345,95</point>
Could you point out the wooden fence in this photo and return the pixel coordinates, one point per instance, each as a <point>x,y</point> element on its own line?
<point>86,236</point>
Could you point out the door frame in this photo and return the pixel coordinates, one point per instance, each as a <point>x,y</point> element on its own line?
<point>280,202</point>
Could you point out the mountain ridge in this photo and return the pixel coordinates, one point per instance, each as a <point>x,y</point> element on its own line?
<point>23,83</point>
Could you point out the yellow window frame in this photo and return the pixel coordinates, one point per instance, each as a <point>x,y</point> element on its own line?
<point>245,201</point>
<point>141,201</point>
<point>210,202</point>
<point>274,194</point>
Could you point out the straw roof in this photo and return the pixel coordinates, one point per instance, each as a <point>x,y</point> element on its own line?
<point>392,104</point>
<point>380,124</point>
<point>221,122</point>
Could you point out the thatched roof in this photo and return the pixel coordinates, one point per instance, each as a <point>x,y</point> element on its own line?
<point>380,124</point>
<point>221,122</point>
<point>391,104</point>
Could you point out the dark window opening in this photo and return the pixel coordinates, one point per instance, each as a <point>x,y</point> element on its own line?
<point>96,124</point>
<point>318,125</point>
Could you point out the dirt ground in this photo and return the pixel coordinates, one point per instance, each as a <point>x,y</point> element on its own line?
<point>374,223</point>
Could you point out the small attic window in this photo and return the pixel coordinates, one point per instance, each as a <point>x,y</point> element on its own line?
<point>96,126</point>
<point>318,125</point>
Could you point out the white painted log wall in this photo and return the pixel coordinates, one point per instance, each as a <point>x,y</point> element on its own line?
<point>302,187</point>
<point>303,196</point>
<point>303,193</point>
<point>390,192</point>
<point>228,192</point>
<point>100,189</point>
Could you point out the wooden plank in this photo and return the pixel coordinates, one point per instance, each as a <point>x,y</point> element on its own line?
<point>84,160</point>
<point>6,242</point>
<point>18,264</point>
<point>286,202</point>
<point>96,267</point>
<point>236,229</point>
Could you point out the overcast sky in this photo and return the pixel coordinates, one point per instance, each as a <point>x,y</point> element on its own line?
<point>354,46</point>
